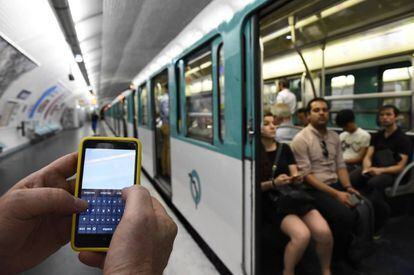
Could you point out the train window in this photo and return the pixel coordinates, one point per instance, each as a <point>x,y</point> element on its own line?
<point>144,105</point>
<point>199,95</point>
<point>399,80</point>
<point>342,85</point>
<point>222,97</point>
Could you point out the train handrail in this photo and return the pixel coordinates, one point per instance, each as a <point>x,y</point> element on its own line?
<point>399,189</point>
<point>370,95</point>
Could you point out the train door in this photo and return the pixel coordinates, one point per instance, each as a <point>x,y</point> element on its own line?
<point>252,118</point>
<point>161,120</point>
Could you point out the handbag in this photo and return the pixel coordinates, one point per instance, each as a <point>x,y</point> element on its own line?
<point>294,192</point>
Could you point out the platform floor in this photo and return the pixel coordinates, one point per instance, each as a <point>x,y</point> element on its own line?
<point>186,258</point>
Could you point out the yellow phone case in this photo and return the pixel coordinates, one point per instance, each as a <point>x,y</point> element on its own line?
<point>72,239</point>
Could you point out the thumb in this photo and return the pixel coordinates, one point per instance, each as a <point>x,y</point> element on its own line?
<point>34,202</point>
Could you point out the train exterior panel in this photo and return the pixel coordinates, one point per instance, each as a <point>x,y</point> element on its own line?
<point>202,189</point>
<point>147,139</point>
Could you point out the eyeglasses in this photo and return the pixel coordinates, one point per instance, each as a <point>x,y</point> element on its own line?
<point>325,151</point>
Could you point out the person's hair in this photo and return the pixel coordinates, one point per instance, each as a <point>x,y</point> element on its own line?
<point>281,110</point>
<point>301,110</point>
<point>309,106</point>
<point>344,117</point>
<point>284,82</point>
<point>267,112</point>
<point>390,106</point>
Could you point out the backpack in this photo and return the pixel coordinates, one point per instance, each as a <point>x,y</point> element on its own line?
<point>362,244</point>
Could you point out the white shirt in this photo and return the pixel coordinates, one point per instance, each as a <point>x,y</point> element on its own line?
<point>353,143</point>
<point>287,97</point>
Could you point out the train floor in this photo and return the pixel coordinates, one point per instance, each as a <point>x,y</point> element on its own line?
<point>186,258</point>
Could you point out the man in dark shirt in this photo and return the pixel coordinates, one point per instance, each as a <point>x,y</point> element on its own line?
<point>386,157</point>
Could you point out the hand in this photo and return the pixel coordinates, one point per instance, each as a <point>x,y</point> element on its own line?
<point>283,179</point>
<point>143,240</point>
<point>36,215</point>
<point>344,198</point>
<point>297,178</point>
<point>373,171</point>
<point>351,190</point>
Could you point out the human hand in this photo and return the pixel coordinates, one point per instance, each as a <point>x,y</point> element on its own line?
<point>352,190</point>
<point>298,178</point>
<point>344,198</point>
<point>36,215</point>
<point>375,171</point>
<point>283,179</point>
<point>143,240</point>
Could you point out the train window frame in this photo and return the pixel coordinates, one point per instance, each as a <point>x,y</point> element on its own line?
<point>221,92</point>
<point>178,77</point>
<point>141,106</point>
<point>192,57</point>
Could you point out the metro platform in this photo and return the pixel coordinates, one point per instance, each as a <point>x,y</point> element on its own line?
<point>186,257</point>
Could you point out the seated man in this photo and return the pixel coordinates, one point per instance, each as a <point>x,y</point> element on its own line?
<point>354,140</point>
<point>386,157</point>
<point>301,117</point>
<point>283,119</point>
<point>318,154</point>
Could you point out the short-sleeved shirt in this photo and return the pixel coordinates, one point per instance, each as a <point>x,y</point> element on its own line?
<point>398,142</point>
<point>285,132</point>
<point>307,147</point>
<point>353,143</point>
<point>286,159</point>
<point>287,97</point>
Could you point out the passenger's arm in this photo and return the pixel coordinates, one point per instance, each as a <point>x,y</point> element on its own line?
<point>359,158</point>
<point>395,169</point>
<point>367,162</point>
<point>343,197</point>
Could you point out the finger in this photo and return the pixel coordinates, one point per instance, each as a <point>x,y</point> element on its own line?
<point>29,203</point>
<point>71,186</point>
<point>137,199</point>
<point>94,259</point>
<point>64,166</point>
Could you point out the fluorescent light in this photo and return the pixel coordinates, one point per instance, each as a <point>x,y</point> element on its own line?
<point>311,19</point>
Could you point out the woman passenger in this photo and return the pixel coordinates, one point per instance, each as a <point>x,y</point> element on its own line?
<point>299,221</point>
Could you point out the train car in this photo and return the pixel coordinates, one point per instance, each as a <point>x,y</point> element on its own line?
<point>199,116</point>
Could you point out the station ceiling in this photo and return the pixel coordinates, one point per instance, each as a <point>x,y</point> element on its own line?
<point>118,38</point>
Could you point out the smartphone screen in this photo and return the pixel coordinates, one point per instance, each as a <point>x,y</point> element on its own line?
<point>107,168</point>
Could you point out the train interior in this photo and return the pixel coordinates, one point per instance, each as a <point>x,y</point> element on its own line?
<point>357,55</point>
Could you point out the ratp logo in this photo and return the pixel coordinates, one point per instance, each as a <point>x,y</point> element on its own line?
<point>195,187</point>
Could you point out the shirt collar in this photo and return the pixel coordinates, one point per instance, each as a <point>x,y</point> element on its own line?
<point>315,131</point>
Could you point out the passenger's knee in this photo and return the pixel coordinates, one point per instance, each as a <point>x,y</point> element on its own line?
<point>301,237</point>
<point>323,235</point>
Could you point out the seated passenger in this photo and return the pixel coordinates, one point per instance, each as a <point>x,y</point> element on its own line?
<point>285,129</point>
<point>318,154</point>
<point>354,140</point>
<point>386,157</point>
<point>301,117</point>
<point>296,217</point>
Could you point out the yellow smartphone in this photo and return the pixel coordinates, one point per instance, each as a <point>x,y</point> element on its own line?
<point>105,166</point>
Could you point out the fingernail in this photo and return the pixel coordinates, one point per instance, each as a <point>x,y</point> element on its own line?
<point>80,204</point>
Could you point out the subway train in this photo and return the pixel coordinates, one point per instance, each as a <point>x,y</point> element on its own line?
<point>199,116</point>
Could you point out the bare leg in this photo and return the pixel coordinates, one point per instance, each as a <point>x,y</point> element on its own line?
<point>322,235</point>
<point>299,235</point>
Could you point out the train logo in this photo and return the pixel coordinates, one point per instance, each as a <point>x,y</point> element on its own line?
<point>195,187</point>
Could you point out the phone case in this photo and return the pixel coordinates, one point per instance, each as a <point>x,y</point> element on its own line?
<point>80,150</point>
